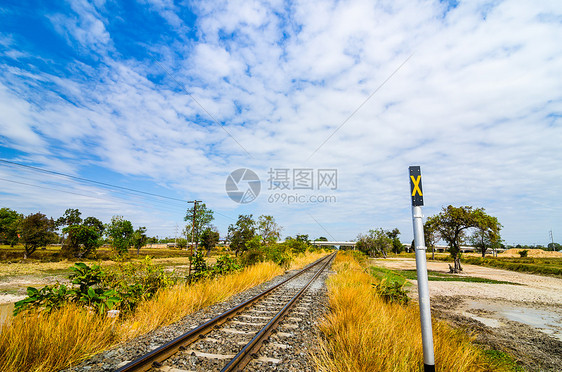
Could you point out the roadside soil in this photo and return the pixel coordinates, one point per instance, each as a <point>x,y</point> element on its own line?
<point>523,319</point>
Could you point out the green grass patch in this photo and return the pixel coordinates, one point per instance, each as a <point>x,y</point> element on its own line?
<point>391,276</point>
<point>400,276</point>
<point>503,360</point>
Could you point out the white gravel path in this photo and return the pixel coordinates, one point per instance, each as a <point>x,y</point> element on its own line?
<point>534,288</point>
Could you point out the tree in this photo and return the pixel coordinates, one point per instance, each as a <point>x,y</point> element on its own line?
<point>396,244</point>
<point>241,232</point>
<point>94,223</point>
<point>302,238</point>
<point>9,221</point>
<point>375,243</point>
<point>554,246</point>
<point>453,224</point>
<point>268,229</point>
<point>487,232</point>
<point>209,239</point>
<point>324,239</point>
<point>69,218</point>
<point>81,240</point>
<point>297,245</point>
<point>139,238</point>
<point>203,218</point>
<point>36,230</point>
<point>119,231</point>
<point>430,236</point>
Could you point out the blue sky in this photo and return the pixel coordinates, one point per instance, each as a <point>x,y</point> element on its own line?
<point>170,97</point>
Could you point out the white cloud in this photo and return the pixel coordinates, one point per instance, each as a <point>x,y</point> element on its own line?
<point>85,28</point>
<point>16,126</point>
<point>478,105</point>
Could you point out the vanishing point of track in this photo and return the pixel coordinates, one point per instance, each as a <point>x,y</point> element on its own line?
<point>231,340</point>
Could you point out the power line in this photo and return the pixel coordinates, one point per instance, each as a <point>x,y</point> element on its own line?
<point>75,193</point>
<point>122,189</point>
<point>37,169</point>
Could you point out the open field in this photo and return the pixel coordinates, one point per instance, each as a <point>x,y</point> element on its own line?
<point>537,264</point>
<point>538,261</point>
<point>51,253</point>
<point>17,276</point>
<point>523,318</point>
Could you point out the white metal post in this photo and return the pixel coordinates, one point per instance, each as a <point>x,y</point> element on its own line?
<point>423,291</point>
<point>421,269</point>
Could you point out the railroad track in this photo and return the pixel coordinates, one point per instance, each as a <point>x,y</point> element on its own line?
<point>232,340</point>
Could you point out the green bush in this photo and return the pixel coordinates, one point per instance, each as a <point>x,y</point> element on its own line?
<point>392,292</point>
<point>523,253</point>
<point>252,257</point>
<point>225,264</point>
<point>278,253</point>
<point>199,268</point>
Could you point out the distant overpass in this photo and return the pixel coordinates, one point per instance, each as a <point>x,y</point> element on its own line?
<point>339,244</point>
<point>329,243</point>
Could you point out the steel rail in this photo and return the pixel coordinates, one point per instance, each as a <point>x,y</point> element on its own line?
<point>156,356</point>
<point>248,352</point>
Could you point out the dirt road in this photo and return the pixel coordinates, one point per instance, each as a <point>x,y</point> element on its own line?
<point>523,318</point>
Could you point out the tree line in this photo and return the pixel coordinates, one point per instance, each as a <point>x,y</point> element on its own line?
<point>80,237</point>
<point>254,239</point>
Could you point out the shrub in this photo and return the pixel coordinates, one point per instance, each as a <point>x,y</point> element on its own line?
<point>523,253</point>
<point>279,254</point>
<point>199,268</point>
<point>252,257</point>
<point>225,264</point>
<point>392,292</point>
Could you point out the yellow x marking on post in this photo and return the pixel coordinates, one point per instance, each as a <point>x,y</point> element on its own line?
<point>416,182</point>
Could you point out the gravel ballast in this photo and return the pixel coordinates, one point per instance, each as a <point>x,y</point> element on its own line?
<point>287,350</point>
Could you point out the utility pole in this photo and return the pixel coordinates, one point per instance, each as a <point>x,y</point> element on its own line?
<point>421,268</point>
<point>192,231</point>
<point>552,240</point>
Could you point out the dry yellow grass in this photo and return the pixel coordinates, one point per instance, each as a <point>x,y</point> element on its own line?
<point>50,342</point>
<point>514,252</point>
<point>364,333</point>
<point>42,342</point>
<point>302,260</point>
<point>32,268</point>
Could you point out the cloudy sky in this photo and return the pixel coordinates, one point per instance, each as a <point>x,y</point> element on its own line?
<point>169,97</point>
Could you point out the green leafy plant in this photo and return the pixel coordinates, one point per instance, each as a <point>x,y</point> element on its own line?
<point>392,292</point>
<point>523,253</point>
<point>48,298</point>
<point>225,265</point>
<point>99,290</point>
<point>199,268</point>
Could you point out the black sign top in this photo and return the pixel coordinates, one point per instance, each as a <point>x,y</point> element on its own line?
<point>416,186</point>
